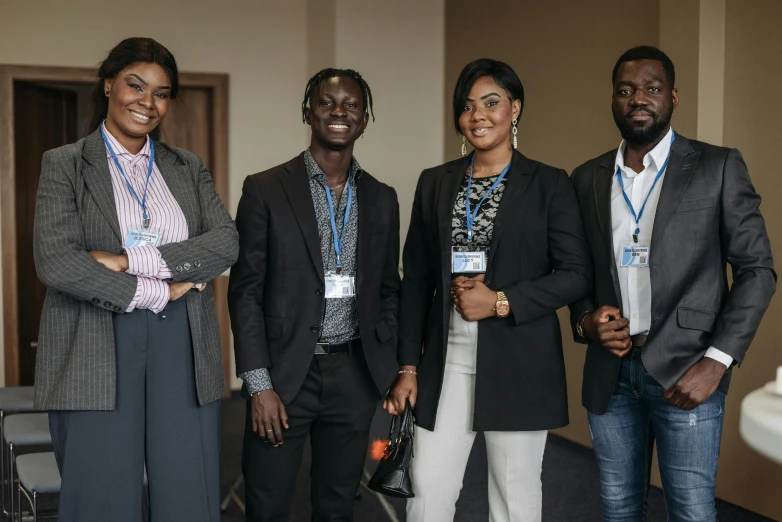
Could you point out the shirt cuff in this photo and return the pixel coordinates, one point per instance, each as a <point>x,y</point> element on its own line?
<point>147,261</point>
<point>257,380</point>
<point>151,294</point>
<point>719,355</point>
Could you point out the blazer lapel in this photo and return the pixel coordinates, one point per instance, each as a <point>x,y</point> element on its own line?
<point>178,179</point>
<point>367,196</point>
<point>449,188</point>
<point>98,179</point>
<point>297,187</point>
<point>518,179</point>
<point>603,179</point>
<point>681,167</point>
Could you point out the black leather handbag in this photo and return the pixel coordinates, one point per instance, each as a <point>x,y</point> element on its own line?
<point>392,476</point>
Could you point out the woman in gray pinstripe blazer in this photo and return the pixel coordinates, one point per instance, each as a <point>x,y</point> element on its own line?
<point>129,360</point>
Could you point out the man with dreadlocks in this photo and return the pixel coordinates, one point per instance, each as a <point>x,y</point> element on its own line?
<point>317,235</point>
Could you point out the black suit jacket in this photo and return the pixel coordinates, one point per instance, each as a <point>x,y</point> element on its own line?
<point>538,257</point>
<point>708,215</point>
<point>275,294</point>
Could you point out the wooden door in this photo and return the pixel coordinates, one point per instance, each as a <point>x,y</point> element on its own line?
<point>45,118</point>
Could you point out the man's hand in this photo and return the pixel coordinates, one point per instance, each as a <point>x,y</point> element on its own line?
<point>268,416</point>
<point>697,385</point>
<point>613,334</point>
<point>114,262</point>
<point>405,389</point>
<point>473,299</point>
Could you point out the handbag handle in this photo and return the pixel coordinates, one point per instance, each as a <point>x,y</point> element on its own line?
<point>406,425</point>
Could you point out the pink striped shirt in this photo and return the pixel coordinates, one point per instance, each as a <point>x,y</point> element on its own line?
<point>165,217</point>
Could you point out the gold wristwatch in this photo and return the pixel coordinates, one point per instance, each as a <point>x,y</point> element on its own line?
<point>502,306</point>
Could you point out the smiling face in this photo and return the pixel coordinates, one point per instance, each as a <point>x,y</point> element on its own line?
<point>138,100</point>
<point>337,114</point>
<point>643,102</point>
<point>488,115</point>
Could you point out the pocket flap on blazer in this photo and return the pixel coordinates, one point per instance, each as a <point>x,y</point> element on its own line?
<point>274,327</point>
<point>694,204</point>
<point>383,331</point>
<point>696,319</point>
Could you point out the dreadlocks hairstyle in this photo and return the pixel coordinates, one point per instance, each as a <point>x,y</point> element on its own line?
<point>325,74</point>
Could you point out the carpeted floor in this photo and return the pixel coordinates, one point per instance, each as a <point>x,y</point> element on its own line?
<point>570,482</point>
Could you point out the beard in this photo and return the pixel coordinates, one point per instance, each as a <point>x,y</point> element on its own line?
<point>643,136</point>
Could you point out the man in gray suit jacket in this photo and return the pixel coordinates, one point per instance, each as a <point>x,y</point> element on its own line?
<point>663,216</point>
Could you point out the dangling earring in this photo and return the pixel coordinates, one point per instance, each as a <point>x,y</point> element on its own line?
<point>515,131</point>
<point>464,146</point>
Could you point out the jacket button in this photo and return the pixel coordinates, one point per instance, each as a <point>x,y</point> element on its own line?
<point>117,309</point>
<point>179,268</point>
<point>95,300</point>
<point>187,266</point>
<point>319,291</point>
<point>314,329</point>
<point>107,304</point>
<point>197,264</point>
<point>487,282</point>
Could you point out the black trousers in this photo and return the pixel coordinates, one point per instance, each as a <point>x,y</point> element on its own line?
<point>157,422</point>
<point>335,407</point>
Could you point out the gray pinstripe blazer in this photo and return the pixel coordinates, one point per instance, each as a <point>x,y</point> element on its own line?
<point>76,213</point>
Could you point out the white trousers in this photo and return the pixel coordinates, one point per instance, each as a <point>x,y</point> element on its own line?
<point>440,457</point>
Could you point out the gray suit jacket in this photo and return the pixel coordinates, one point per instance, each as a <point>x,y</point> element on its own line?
<point>76,213</point>
<point>708,216</point>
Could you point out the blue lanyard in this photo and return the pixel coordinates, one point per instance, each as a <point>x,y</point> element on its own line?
<point>141,201</point>
<point>646,200</point>
<point>471,215</point>
<point>339,238</point>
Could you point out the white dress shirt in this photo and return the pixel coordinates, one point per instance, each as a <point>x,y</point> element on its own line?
<point>634,282</point>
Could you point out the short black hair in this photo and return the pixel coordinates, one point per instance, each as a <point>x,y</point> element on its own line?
<point>647,52</point>
<point>500,72</point>
<point>314,83</point>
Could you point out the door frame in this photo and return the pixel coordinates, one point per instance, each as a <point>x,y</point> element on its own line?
<point>33,73</point>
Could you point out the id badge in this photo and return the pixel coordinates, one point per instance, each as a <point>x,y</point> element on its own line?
<point>468,260</point>
<point>339,286</point>
<point>635,254</point>
<point>138,238</point>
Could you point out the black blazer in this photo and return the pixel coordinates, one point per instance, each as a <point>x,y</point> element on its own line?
<point>708,215</point>
<point>539,258</point>
<point>275,293</point>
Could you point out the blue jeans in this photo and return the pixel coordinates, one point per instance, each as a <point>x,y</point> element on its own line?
<point>688,445</point>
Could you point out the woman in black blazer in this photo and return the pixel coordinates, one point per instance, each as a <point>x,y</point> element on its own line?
<point>483,279</point>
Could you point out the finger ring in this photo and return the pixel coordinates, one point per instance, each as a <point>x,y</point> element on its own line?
<point>269,431</point>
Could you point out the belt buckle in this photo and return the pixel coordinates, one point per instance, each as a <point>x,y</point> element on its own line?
<point>322,348</point>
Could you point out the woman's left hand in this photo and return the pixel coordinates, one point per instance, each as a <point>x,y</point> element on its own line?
<point>114,262</point>
<point>474,300</point>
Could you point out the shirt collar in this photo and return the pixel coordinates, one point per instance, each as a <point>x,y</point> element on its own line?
<point>657,155</point>
<point>121,151</point>
<point>314,170</point>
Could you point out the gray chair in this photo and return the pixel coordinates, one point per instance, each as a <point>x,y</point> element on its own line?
<point>13,399</point>
<point>38,474</point>
<point>23,430</point>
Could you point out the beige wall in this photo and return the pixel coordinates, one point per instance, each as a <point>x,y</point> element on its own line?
<point>725,52</point>
<point>753,44</point>
<point>269,49</point>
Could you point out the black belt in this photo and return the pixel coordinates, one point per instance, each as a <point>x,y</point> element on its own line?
<point>329,348</point>
<point>638,340</point>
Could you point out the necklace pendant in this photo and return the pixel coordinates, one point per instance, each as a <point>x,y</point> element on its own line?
<point>145,223</point>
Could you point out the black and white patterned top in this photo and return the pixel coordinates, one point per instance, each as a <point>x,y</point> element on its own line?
<point>340,317</point>
<point>483,226</point>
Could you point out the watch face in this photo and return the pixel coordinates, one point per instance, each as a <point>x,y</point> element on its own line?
<point>502,309</point>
